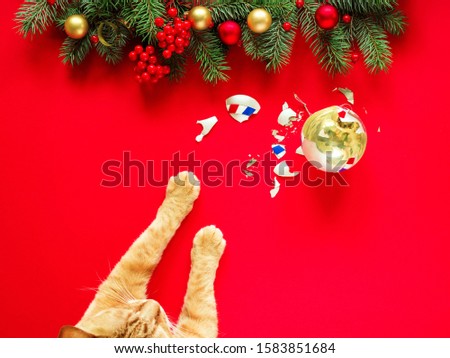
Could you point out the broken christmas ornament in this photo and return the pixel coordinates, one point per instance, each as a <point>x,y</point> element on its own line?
<point>334,139</point>
<point>241,107</point>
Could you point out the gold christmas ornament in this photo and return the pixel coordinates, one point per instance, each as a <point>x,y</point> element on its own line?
<point>334,139</point>
<point>76,26</point>
<point>200,17</point>
<point>259,21</point>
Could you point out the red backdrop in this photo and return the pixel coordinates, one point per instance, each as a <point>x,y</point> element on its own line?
<point>368,260</point>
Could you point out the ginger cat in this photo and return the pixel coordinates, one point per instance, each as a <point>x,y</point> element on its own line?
<point>120,307</point>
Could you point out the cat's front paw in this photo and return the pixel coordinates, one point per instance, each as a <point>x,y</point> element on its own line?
<point>209,242</point>
<point>184,186</point>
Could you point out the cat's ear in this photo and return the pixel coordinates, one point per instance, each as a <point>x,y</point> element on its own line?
<point>73,332</point>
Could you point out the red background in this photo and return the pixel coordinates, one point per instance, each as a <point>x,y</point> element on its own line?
<point>368,260</point>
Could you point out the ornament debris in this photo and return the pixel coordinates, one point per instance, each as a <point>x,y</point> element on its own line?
<point>278,137</point>
<point>242,107</point>
<point>207,125</point>
<point>282,170</point>
<point>276,189</point>
<point>287,116</point>
<point>347,93</point>
<point>279,150</point>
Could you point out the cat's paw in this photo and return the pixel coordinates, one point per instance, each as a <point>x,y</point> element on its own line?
<point>184,186</point>
<point>209,242</point>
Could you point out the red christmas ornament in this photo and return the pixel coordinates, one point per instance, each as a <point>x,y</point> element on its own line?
<point>94,39</point>
<point>327,16</point>
<point>172,12</point>
<point>355,57</point>
<point>347,18</point>
<point>300,3</point>
<point>229,32</point>
<point>287,26</point>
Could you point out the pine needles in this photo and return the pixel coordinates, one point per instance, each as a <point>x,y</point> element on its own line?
<point>118,21</point>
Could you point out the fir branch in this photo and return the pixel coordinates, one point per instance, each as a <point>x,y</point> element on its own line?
<point>394,22</point>
<point>363,7</point>
<point>75,51</point>
<point>373,43</point>
<point>141,15</point>
<point>35,16</point>
<point>177,65</point>
<point>117,38</point>
<point>277,45</point>
<point>333,50</point>
<point>223,10</point>
<point>208,51</point>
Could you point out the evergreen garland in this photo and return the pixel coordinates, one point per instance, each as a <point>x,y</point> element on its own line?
<point>124,21</point>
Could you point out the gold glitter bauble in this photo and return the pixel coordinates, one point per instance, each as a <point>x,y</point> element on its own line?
<point>334,139</point>
<point>259,21</point>
<point>76,26</point>
<point>200,17</point>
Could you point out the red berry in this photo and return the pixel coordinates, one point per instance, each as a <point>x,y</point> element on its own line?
<point>347,18</point>
<point>159,21</point>
<point>151,69</point>
<point>150,50</point>
<point>211,25</point>
<point>287,26</point>
<point>171,48</point>
<point>94,39</point>
<point>170,39</point>
<point>178,27</point>
<point>179,50</point>
<point>159,69</point>
<point>161,36</point>
<point>186,25</point>
<point>152,60</point>
<point>154,80</point>
<point>177,20</point>
<point>138,78</point>
<point>132,56</point>
<point>183,33</point>
<point>299,3</point>
<point>186,43</point>
<point>172,12</point>
<point>51,2</point>
<point>179,42</point>
<point>138,49</point>
<point>144,56</point>
<point>167,54</point>
<point>166,70</point>
<point>168,30</point>
<point>145,77</point>
<point>355,57</point>
<point>141,65</point>
<point>162,44</point>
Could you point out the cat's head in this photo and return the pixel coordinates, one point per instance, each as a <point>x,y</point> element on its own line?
<point>137,319</point>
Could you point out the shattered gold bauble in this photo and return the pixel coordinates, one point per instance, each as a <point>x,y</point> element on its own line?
<point>76,27</point>
<point>259,21</point>
<point>334,139</point>
<point>200,17</point>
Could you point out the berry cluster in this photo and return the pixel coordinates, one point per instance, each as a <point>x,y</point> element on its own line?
<point>175,34</point>
<point>148,68</point>
<point>174,37</point>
